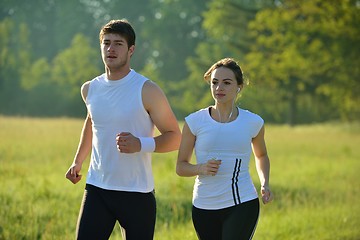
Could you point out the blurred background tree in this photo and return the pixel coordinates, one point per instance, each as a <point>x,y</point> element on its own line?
<point>309,50</point>
<point>300,57</point>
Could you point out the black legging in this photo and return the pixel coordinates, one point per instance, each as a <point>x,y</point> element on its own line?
<point>100,209</point>
<point>237,222</point>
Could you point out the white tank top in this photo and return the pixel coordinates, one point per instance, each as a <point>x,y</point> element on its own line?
<point>115,107</point>
<point>230,142</point>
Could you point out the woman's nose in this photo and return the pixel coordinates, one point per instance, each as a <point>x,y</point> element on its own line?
<point>219,86</point>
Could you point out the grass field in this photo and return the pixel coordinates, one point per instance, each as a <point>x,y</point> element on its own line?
<point>314,177</point>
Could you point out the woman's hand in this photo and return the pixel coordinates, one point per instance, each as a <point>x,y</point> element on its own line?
<point>73,174</point>
<point>266,194</point>
<point>211,167</point>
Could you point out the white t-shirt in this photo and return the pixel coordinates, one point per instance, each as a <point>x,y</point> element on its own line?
<point>115,107</point>
<point>230,142</point>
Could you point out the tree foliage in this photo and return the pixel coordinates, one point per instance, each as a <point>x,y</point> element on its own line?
<point>226,35</point>
<point>14,61</point>
<point>301,57</point>
<point>74,65</point>
<point>302,47</point>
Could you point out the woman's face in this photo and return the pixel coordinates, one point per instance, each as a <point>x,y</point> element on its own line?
<point>224,87</point>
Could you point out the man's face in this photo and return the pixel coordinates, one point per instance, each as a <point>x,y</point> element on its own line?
<point>115,51</point>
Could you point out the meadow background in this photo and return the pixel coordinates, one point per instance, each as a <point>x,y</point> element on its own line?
<point>300,57</point>
<point>314,177</point>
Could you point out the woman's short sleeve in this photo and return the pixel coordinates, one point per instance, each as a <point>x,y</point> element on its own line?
<point>257,124</point>
<point>191,122</point>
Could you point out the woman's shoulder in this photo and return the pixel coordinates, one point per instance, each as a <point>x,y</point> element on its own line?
<point>196,120</point>
<point>198,116</point>
<point>250,115</point>
<point>199,113</point>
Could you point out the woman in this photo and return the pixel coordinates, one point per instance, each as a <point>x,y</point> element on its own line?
<point>225,201</point>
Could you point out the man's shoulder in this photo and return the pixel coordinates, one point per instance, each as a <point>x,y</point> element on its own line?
<point>137,76</point>
<point>98,78</point>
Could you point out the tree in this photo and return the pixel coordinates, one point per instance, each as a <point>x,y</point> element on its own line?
<point>341,33</point>
<point>72,67</point>
<point>301,47</point>
<point>32,34</point>
<point>226,35</point>
<point>51,24</point>
<point>15,60</point>
<point>75,65</point>
<point>52,89</point>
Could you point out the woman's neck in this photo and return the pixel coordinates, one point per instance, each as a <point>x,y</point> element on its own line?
<point>224,113</point>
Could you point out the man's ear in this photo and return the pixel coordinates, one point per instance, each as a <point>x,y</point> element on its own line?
<point>132,50</point>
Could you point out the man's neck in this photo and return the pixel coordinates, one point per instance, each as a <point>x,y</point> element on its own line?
<point>116,74</point>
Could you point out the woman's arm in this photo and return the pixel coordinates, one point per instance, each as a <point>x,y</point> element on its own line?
<point>183,166</point>
<point>262,165</point>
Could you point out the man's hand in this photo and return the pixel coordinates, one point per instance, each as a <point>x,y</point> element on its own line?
<point>128,143</point>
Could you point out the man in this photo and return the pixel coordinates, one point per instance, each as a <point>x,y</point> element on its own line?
<point>123,108</point>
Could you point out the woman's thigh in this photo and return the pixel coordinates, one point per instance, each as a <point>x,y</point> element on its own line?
<point>241,221</point>
<point>207,223</point>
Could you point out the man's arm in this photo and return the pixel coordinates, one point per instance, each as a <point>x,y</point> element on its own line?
<point>84,147</point>
<point>158,107</point>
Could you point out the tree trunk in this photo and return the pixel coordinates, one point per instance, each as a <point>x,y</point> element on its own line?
<point>292,108</point>
<point>293,93</point>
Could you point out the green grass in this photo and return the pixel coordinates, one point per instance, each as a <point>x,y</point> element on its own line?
<point>314,177</point>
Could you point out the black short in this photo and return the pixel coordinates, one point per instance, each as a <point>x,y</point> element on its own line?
<point>237,222</point>
<point>100,209</point>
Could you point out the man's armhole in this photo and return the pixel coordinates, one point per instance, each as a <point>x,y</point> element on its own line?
<point>85,90</point>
